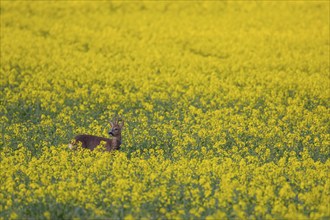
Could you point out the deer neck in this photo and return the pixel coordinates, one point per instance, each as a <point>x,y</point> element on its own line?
<point>116,140</point>
<point>117,137</point>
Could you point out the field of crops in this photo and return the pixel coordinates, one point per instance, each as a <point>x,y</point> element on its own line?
<point>226,108</point>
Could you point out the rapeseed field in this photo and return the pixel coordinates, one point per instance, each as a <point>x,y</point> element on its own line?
<point>226,109</point>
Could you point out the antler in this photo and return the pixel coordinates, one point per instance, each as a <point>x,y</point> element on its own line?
<point>115,120</point>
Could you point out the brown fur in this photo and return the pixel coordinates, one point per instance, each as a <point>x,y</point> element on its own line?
<point>91,141</point>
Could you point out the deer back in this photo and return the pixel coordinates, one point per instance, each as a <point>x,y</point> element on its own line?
<point>91,142</point>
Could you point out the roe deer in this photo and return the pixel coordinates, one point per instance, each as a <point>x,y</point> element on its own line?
<point>91,141</point>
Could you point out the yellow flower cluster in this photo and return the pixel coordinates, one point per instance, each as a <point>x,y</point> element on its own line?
<point>226,108</point>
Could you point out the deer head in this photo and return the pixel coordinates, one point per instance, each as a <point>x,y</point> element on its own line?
<point>116,126</point>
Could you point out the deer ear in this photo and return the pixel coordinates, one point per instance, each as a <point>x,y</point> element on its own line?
<point>111,123</point>
<point>122,124</point>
